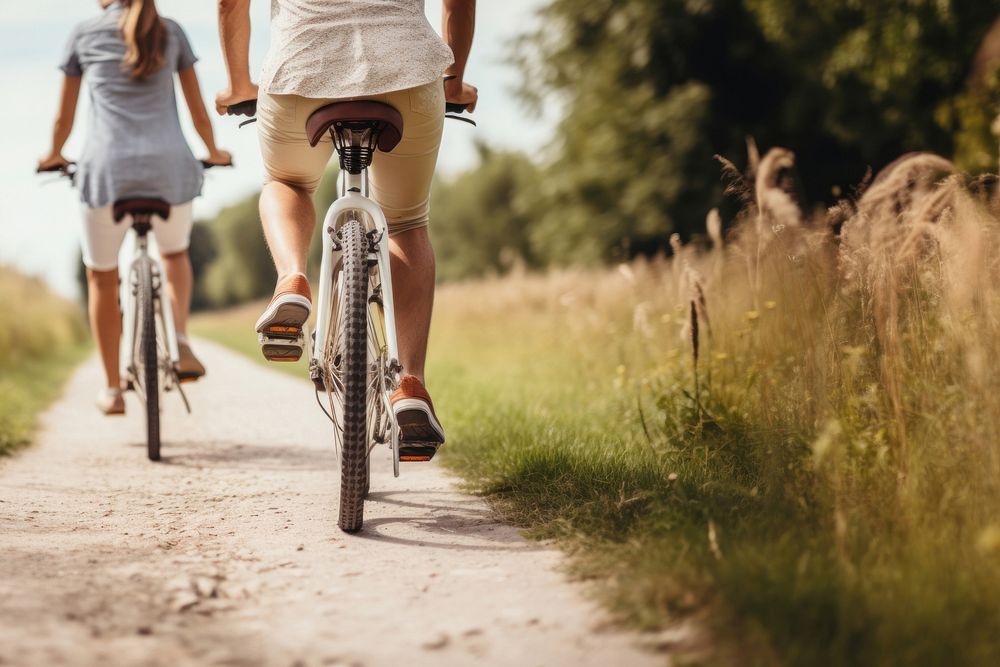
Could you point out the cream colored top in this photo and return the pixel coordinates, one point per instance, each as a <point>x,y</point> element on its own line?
<point>351,48</point>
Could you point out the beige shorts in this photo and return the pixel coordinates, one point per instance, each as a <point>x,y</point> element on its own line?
<point>400,180</point>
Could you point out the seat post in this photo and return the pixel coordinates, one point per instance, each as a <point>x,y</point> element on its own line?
<point>351,182</point>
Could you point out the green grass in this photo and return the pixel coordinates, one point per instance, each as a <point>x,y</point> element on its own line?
<point>42,338</point>
<point>821,488</point>
<point>28,388</point>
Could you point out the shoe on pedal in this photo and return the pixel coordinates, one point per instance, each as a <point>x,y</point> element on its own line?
<point>280,327</point>
<point>420,431</point>
<point>188,366</point>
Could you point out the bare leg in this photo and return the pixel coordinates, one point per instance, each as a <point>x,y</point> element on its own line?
<point>288,217</point>
<point>180,280</point>
<point>105,320</point>
<point>412,266</point>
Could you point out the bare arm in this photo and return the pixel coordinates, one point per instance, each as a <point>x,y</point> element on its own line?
<point>458,24</point>
<point>199,115</point>
<point>234,35</point>
<point>63,125</point>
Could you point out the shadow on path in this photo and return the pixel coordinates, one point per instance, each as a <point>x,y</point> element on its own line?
<point>455,522</point>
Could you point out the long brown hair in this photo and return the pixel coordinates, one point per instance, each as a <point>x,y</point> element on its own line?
<point>145,37</point>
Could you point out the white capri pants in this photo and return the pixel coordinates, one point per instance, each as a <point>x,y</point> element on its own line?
<point>102,236</point>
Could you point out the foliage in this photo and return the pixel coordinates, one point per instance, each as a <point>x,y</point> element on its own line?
<point>242,269</point>
<point>481,220</point>
<point>652,89</point>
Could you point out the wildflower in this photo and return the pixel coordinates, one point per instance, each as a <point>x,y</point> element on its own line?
<point>752,315</point>
<point>770,305</point>
<point>672,477</point>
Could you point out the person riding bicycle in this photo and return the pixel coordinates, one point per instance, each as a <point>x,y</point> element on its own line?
<point>325,52</point>
<point>134,148</point>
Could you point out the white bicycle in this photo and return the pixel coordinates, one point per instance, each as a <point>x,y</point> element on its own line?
<point>148,351</point>
<point>353,355</point>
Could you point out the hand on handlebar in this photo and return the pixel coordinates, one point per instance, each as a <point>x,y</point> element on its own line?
<point>231,97</point>
<point>461,92</point>
<point>54,162</point>
<point>218,158</point>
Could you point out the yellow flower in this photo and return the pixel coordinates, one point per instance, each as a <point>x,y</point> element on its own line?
<point>770,305</point>
<point>752,315</point>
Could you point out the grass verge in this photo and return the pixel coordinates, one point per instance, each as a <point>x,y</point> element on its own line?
<point>42,338</point>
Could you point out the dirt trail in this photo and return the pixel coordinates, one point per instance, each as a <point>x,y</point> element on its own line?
<point>228,552</point>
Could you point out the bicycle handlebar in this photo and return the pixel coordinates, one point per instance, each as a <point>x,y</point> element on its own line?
<point>66,169</point>
<point>244,108</point>
<point>208,165</point>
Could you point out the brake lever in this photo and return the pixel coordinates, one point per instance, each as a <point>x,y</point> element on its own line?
<point>453,109</point>
<point>464,120</point>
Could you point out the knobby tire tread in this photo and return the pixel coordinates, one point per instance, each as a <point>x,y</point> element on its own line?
<point>354,320</point>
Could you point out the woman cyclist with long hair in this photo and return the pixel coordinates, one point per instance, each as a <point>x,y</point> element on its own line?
<point>134,148</point>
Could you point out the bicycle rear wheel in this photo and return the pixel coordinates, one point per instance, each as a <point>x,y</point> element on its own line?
<point>352,323</point>
<point>145,355</point>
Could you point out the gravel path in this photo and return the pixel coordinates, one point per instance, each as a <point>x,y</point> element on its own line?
<point>228,552</point>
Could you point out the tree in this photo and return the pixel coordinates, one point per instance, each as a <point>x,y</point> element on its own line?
<point>653,88</point>
<point>480,220</point>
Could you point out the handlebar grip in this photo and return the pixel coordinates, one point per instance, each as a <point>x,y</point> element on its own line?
<point>455,107</point>
<point>245,108</point>
<point>66,169</point>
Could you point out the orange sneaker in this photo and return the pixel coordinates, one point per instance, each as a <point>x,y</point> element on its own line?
<point>420,431</point>
<point>280,326</point>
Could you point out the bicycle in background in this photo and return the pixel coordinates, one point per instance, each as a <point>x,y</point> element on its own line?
<point>149,353</point>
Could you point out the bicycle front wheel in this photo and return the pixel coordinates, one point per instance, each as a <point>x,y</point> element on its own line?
<point>146,357</point>
<point>352,355</point>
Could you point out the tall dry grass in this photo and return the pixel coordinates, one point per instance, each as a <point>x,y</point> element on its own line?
<point>41,337</point>
<point>798,424</point>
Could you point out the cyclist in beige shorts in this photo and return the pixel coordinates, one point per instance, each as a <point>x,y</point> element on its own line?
<point>322,52</point>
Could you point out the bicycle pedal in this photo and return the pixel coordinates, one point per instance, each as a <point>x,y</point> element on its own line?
<point>412,452</point>
<point>282,347</point>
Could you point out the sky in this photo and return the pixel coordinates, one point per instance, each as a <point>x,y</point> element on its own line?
<point>40,215</point>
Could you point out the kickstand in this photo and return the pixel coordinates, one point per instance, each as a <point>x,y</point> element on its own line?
<point>180,389</point>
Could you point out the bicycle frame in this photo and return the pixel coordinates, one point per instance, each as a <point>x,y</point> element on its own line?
<point>127,302</point>
<point>354,197</point>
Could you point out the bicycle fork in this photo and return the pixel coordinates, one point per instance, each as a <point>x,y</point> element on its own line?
<point>353,201</point>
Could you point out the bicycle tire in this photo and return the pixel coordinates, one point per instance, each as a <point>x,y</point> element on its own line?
<point>148,358</point>
<point>353,320</point>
